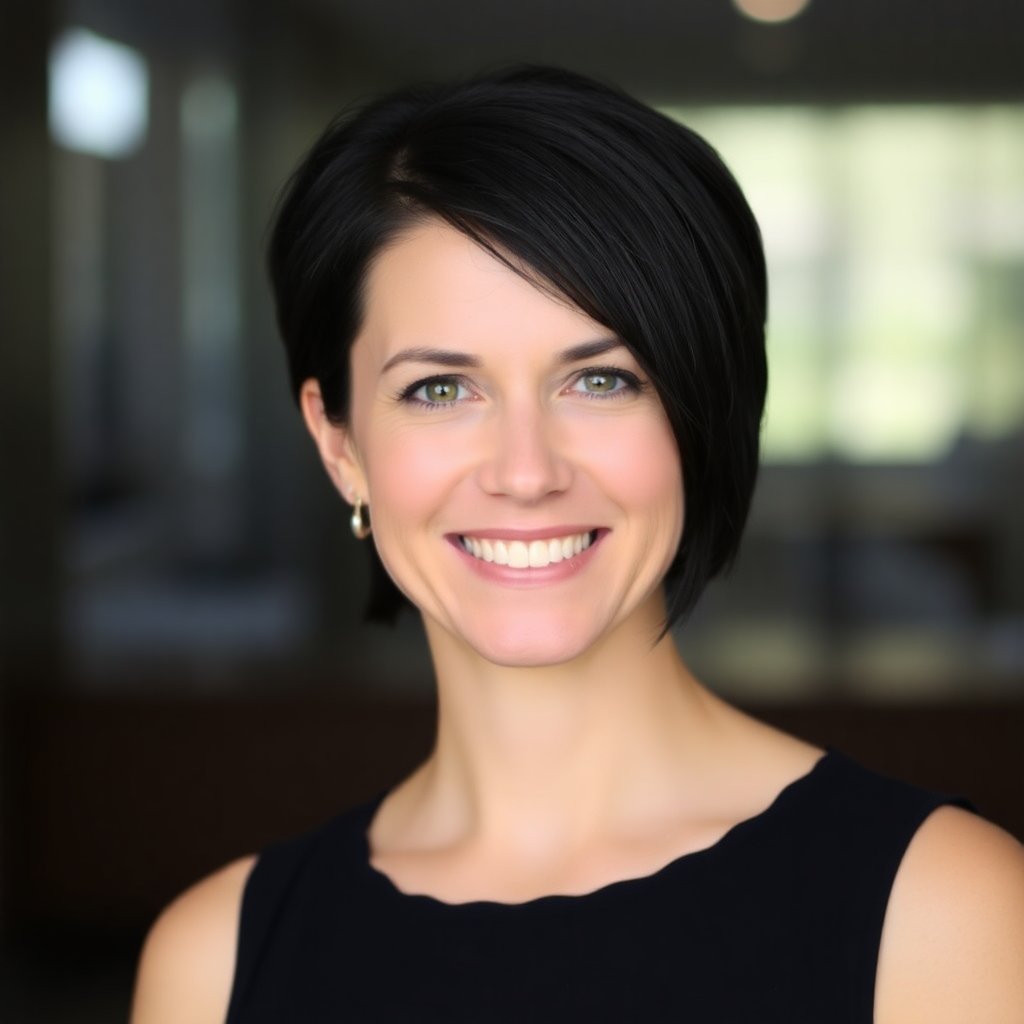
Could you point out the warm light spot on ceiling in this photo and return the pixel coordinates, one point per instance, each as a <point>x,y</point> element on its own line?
<point>770,10</point>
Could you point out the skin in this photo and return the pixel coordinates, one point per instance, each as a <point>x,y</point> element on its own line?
<point>574,747</point>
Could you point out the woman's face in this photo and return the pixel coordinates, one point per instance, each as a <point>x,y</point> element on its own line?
<point>524,483</point>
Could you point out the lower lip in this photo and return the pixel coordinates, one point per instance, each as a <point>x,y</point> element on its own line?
<point>556,572</point>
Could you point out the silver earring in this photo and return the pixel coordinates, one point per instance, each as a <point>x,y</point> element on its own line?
<point>360,521</point>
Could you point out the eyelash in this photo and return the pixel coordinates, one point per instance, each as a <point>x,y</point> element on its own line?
<point>631,385</point>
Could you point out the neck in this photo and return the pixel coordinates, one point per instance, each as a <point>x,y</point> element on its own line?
<point>551,751</point>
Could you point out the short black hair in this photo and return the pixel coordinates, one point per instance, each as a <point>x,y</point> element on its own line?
<point>631,216</point>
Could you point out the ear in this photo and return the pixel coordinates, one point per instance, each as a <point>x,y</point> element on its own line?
<point>335,444</point>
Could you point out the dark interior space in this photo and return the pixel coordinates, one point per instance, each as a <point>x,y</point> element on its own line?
<point>184,676</point>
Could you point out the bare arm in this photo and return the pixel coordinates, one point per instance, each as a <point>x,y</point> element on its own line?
<point>953,943</point>
<point>188,961</point>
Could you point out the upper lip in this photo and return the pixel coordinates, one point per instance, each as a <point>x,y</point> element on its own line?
<point>540,533</point>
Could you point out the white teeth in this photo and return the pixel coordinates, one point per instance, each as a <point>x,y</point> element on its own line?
<point>518,554</point>
<point>522,555</point>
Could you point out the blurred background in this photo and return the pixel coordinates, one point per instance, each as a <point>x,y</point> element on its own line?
<point>184,676</point>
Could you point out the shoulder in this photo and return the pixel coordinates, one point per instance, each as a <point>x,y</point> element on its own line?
<point>188,961</point>
<point>953,942</point>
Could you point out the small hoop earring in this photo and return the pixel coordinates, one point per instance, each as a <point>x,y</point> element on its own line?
<point>360,521</point>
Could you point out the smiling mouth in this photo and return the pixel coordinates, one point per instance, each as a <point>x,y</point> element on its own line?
<point>535,554</point>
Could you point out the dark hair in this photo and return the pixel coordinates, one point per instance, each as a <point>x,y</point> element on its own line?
<point>631,216</point>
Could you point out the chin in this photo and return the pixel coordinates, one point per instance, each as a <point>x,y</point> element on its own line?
<point>542,658</point>
<point>530,646</point>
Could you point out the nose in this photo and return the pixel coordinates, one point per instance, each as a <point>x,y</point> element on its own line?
<point>525,460</point>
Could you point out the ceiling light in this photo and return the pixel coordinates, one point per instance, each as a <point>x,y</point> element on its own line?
<point>770,11</point>
<point>99,95</point>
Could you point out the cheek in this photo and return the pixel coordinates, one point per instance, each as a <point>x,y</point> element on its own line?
<point>658,475</point>
<point>640,463</point>
<point>409,471</point>
<point>656,483</point>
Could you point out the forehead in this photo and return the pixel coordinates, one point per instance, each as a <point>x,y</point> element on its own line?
<point>435,286</point>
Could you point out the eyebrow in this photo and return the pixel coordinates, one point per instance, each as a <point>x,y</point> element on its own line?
<point>448,357</point>
<point>440,356</point>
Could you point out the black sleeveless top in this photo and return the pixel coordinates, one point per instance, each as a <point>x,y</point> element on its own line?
<point>779,921</point>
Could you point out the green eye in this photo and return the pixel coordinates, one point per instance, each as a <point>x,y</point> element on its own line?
<point>440,391</point>
<point>606,382</point>
<point>598,383</point>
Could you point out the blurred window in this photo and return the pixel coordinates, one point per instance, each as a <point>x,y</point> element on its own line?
<point>895,240</point>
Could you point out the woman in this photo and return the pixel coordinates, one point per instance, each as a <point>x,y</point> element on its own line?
<point>524,318</point>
